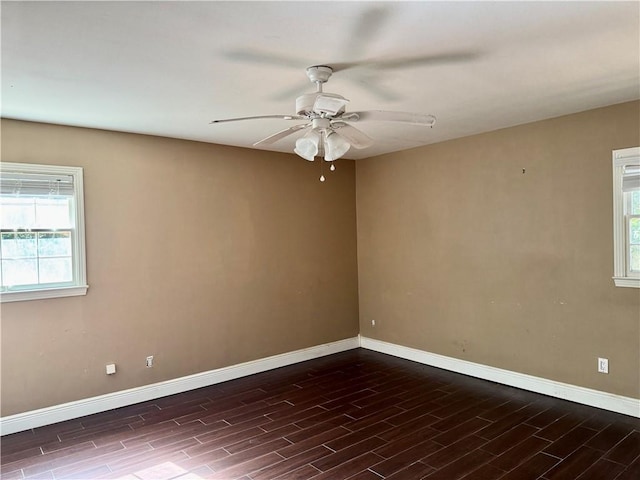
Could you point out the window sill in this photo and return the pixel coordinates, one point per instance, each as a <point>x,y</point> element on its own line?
<point>627,282</point>
<point>20,296</point>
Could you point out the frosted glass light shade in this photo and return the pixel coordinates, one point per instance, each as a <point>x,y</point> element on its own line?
<point>335,147</point>
<point>307,146</point>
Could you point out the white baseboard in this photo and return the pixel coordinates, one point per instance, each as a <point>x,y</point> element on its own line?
<point>109,401</point>
<point>595,398</point>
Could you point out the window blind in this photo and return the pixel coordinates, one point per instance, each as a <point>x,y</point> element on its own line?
<point>14,183</point>
<point>631,178</point>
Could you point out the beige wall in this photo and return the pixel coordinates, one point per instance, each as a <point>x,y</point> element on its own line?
<point>202,255</point>
<point>461,254</point>
<point>207,256</point>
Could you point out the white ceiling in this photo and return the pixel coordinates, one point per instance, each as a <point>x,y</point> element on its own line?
<point>168,68</point>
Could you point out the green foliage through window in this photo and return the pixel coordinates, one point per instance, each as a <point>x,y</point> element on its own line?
<point>36,258</point>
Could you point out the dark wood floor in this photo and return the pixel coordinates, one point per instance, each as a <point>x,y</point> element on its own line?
<point>358,414</point>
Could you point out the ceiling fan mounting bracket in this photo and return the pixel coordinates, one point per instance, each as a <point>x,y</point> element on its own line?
<point>319,73</point>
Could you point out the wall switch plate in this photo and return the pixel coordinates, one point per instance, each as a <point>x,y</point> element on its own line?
<point>603,365</point>
<point>111,368</point>
<point>150,361</point>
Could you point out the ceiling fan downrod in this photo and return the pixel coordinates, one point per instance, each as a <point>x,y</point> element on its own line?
<point>319,74</point>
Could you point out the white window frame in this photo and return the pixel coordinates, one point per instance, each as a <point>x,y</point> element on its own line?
<point>79,286</point>
<point>621,275</point>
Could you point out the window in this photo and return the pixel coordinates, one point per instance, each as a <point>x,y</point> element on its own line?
<point>42,251</point>
<point>626,217</point>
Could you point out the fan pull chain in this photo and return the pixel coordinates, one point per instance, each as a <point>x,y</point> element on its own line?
<point>332,168</point>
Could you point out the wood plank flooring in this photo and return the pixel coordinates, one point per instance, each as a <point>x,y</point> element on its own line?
<point>359,415</point>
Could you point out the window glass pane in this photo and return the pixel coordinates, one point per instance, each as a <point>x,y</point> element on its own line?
<point>35,212</point>
<point>54,270</point>
<point>19,272</point>
<point>20,263</point>
<point>54,244</point>
<point>634,231</point>
<point>19,245</point>
<point>634,258</point>
<point>18,212</point>
<point>52,212</point>
<point>635,202</point>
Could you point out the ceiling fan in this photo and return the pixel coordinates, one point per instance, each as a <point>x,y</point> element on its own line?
<point>330,133</point>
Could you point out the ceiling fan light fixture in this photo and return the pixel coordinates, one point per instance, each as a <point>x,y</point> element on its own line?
<point>335,147</point>
<point>330,134</point>
<point>307,146</point>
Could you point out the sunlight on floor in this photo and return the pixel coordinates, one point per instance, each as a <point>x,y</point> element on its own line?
<point>163,471</point>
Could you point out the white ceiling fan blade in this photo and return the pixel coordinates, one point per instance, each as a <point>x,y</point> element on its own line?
<point>366,29</point>
<point>409,62</point>
<point>261,57</point>
<point>281,134</point>
<point>355,137</point>
<point>258,117</point>
<point>371,82</point>
<point>385,116</point>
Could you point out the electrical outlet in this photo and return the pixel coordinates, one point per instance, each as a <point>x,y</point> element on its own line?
<point>150,361</point>
<point>373,323</point>
<point>603,365</point>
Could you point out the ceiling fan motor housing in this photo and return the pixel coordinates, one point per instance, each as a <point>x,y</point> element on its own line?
<point>320,103</point>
